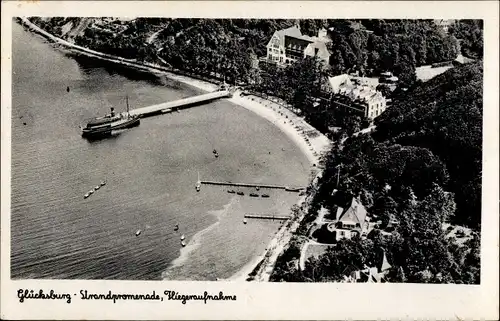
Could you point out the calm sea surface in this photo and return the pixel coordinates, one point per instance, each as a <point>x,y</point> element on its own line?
<point>150,170</point>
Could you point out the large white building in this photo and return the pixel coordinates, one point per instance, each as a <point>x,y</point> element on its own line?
<point>360,97</point>
<point>289,45</point>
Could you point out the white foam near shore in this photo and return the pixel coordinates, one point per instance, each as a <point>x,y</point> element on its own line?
<point>196,240</point>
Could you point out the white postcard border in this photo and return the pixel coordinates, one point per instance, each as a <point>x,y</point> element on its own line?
<point>269,300</point>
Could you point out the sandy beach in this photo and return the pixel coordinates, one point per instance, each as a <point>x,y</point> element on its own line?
<point>311,142</point>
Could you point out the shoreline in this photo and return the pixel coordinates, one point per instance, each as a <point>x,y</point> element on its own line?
<point>310,141</point>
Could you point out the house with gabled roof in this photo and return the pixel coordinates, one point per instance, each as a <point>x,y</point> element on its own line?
<point>374,274</point>
<point>350,218</point>
<point>289,45</point>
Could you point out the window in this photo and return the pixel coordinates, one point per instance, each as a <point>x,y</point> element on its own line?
<point>281,59</point>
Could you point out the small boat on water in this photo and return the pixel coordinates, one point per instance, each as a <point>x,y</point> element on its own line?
<point>216,155</point>
<point>254,195</point>
<point>240,193</point>
<point>183,243</point>
<point>292,189</point>
<point>176,228</point>
<point>138,233</point>
<point>86,195</point>
<point>103,126</point>
<point>215,151</point>
<point>244,221</point>
<point>265,195</point>
<point>182,237</point>
<point>97,187</point>
<point>103,183</point>
<point>91,191</point>
<point>231,191</point>
<point>257,187</point>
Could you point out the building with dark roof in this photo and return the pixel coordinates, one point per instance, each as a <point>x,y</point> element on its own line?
<point>350,218</point>
<point>289,45</point>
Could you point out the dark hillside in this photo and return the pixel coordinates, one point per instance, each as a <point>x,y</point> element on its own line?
<point>445,116</point>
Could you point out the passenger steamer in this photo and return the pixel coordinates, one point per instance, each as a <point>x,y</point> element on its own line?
<point>105,125</point>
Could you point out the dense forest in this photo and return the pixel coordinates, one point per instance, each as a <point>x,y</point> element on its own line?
<point>422,167</point>
<point>470,33</point>
<point>374,46</point>
<point>227,47</point>
<point>444,116</point>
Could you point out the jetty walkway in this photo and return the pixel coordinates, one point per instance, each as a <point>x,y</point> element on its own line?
<point>171,106</point>
<point>287,188</point>
<point>267,217</point>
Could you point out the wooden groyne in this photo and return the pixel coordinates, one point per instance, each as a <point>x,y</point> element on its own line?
<point>270,186</point>
<point>267,217</point>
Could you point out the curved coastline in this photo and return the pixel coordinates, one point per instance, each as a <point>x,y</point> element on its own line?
<point>310,141</point>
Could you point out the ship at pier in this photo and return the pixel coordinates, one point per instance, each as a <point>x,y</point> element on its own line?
<point>105,125</point>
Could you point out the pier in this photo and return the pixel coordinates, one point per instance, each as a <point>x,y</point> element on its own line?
<point>270,186</point>
<point>267,217</point>
<point>179,104</point>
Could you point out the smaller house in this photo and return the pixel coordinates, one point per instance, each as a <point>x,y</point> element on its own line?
<point>387,77</point>
<point>372,274</point>
<point>350,219</point>
<point>376,274</point>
